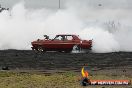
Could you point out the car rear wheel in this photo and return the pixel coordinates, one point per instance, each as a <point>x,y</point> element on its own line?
<point>76,49</point>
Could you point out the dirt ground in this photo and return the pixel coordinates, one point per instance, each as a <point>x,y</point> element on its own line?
<point>117,65</point>
<point>29,60</point>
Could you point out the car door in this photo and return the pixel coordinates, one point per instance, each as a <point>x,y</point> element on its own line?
<point>68,42</point>
<point>63,42</point>
<point>56,43</point>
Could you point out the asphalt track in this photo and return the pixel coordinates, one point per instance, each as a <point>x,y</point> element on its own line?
<point>29,60</point>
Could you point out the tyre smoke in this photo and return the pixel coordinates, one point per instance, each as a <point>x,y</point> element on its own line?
<point>109,28</point>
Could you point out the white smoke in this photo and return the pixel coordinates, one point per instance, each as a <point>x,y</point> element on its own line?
<point>103,41</point>
<point>109,28</point>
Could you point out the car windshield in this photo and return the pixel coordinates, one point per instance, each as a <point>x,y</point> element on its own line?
<point>79,37</point>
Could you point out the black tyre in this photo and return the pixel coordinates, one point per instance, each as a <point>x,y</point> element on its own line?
<point>76,49</point>
<point>40,49</point>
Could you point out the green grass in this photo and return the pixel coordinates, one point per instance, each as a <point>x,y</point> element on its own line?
<point>57,80</point>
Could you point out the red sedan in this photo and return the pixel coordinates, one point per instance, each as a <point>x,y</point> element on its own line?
<point>63,42</point>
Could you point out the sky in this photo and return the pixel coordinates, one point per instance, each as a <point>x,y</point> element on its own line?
<point>32,3</point>
<point>125,4</point>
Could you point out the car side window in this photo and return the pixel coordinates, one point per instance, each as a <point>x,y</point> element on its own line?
<point>69,38</point>
<point>58,38</point>
<point>63,38</point>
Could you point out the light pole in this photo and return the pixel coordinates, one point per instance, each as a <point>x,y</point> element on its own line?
<point>59,4</point>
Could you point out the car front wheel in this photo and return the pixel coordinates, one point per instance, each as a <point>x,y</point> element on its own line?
<point>40,49</point>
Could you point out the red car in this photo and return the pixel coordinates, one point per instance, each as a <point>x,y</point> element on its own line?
<point>61,43</point>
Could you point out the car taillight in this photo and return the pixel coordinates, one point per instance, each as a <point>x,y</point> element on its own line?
<point>90,41</point>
